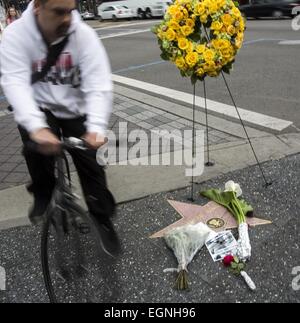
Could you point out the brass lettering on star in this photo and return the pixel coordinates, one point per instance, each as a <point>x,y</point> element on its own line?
<point>215,223</point>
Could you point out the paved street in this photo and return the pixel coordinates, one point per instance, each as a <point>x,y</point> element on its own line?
<point>150,96</point>
<point>264,78</point>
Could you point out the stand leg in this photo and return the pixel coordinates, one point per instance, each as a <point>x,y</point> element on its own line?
<point>209,163</point>
<point>193,145</point>
<point>246,132</point>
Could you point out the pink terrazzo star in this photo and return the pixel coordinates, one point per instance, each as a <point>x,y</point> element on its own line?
<point>214,215</point>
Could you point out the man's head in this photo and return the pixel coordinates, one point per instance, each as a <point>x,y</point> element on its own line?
<point>54,17</point>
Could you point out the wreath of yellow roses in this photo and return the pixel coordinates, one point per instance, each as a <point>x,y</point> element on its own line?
<point>201,37</point>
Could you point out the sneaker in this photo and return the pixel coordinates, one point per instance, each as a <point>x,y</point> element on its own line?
<point>109,240</point>
<point>38,210</point>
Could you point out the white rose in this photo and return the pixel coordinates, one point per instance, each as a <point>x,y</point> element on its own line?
<point>231,186</point>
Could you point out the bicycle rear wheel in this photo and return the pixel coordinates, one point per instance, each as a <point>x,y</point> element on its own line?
<point>75,268</point>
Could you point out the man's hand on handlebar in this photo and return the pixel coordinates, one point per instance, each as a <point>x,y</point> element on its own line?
<point>94,140</point>
<point>48,143</point>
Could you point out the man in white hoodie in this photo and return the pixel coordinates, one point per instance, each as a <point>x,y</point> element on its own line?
<point>74,99</point>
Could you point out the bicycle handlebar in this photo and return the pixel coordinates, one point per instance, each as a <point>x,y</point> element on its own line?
<point>73,142</point>
<point>67,143</point>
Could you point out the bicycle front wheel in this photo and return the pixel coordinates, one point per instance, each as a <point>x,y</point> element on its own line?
<point>75,268</point>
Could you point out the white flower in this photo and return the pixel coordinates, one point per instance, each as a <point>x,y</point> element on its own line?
<point>231,186</point>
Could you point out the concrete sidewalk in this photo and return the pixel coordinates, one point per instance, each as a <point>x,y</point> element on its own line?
<point>144,191</point>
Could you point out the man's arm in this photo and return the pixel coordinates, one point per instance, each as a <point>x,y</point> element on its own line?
<point>96,86</point>
<point>16,82</point>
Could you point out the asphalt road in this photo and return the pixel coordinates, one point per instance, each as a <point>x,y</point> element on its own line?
<point>265,78</point>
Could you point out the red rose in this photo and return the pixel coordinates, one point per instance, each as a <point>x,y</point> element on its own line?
<point>228,260</point>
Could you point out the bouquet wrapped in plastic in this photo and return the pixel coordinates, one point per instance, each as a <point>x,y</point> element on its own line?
<point>185,242</point>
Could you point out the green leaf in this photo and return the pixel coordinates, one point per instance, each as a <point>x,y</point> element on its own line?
<point>165,56</point>
<point>245,207</point>
<point>194,79</point>
<point>234,265</point>
<point>226,69</point>
<point>154,29</point>
<point>222,198</point>
<point>241,266</point>
<point>238,208</point>
<point>182,73</point>
<point>236,259</point>
<point>195,37</point>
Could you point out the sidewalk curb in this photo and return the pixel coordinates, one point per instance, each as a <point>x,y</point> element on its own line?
<point>134,182</point>
<point>186,112</point>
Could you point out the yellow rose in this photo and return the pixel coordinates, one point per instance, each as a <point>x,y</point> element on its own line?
<point>185,13</point>
<point>224,44</point>
<point>212,73</point>
<point>186,30</point>
<point>240,36</point>
<point>213,8</point>
<point>238,43</point>
<point>180,62</point>
<point>217,43</point>
<point>200,48</point>
<point>183,43</point>
<point>231,30</point>
<point>173,25</point>
<point>216,25</point>
<point>227,54</point>
<point>170,34</point>
<point>172,10</point>
<point>235,12</point>
<point>239,40</point>
<point>242,24</point>
<point>190,47</point>
<point>227,19</point>
<point>200,9</point>
<point>203,19</point>
<point>178,16</point>
<point>221,3</point>
<point>209,54</point>
<point>209,66</point>
<point>190,23</point>
<point>192,58</point>
<point>200,71</point>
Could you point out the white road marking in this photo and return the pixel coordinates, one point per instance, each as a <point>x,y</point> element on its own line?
<point>214,106</point>
<point>124,33</point>
<point>289,42</point>
<point>128,25</point>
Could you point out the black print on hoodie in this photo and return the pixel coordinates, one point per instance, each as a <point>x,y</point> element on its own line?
<point>63,73</point>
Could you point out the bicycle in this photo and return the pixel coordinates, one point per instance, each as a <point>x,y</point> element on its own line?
<point>71,251</point>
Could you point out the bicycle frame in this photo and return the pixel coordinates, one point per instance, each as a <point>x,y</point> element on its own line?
<point>63,200</point>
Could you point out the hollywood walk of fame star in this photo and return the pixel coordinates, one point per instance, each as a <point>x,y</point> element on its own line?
<point>214,215</point>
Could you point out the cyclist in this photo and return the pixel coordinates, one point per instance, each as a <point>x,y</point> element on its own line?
<point>73,99</point>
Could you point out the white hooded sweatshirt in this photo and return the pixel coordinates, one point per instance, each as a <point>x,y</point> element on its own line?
<point>79,84</point>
